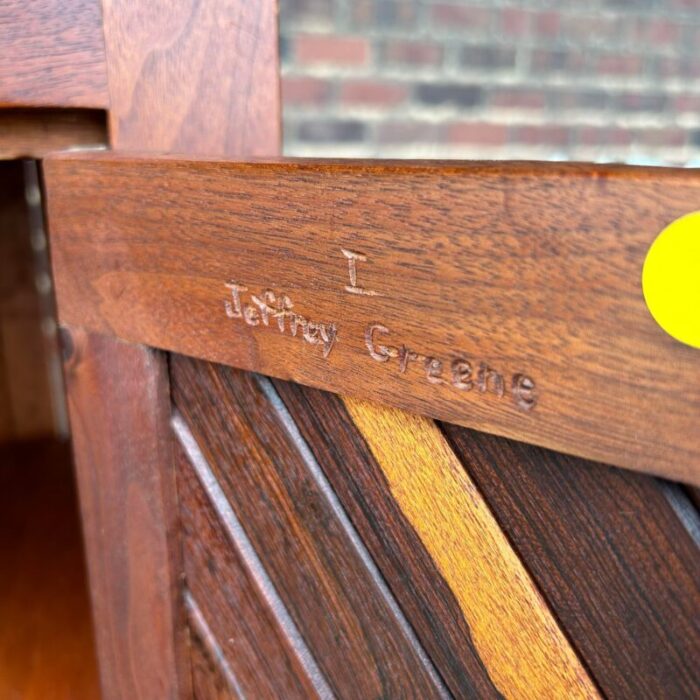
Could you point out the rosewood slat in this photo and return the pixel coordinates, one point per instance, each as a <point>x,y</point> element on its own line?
<point>52,54</point>
<point>512,276</point>
<point>119,410</point>
<point>610,556</point>
<point>394,545</point>
<point>334,600</point>
<point>492,603</point>
<point>246,630</point>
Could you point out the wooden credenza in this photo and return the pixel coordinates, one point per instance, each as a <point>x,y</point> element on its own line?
<point>333,422</point>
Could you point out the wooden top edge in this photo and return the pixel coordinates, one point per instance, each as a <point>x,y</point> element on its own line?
<point>394,166</point>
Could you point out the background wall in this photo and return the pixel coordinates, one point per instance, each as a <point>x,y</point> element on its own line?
<point>603,80</point>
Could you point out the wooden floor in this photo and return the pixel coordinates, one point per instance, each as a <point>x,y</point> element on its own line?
<point>46,640</point>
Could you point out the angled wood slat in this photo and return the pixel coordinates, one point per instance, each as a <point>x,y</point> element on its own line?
<point>610,555</point>
<point>505,297</point>
<point>317,565</point>
<point>410,572</point>
<point>208,681</point>
<point>248,644</point>
<point>52,54</point>
<point>533,658</point>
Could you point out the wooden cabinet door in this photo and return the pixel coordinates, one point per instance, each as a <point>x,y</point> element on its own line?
<point>339,428</point>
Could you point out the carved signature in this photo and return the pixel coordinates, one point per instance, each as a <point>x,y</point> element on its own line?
<point>270,306</point>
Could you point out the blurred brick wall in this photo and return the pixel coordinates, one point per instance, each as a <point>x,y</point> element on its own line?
<point>604,80</point>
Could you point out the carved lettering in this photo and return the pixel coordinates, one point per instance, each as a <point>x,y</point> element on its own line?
<point>352,259</point>
<point>487,380</point>
<point>268,306</point>
<point>234,310</point>
<point>524,392</point>
<point>380,353</point>
<point>461,373</point>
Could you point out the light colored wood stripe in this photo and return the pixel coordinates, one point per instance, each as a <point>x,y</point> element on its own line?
<point>517,637</point>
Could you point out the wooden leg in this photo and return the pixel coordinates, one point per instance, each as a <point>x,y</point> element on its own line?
<point>119,410</point>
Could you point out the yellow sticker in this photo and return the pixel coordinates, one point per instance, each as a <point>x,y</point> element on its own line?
<point>671,279</point>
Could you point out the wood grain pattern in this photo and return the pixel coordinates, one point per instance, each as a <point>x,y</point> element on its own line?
<point>32,133</point>
<point>193,77</point>
<point>497,277</point>
<point>526,653</point>
<point>52,54</point>
<point>257,656</point>
<point>610,556</point>
<point>26,405</point>
<point>46,639</point>
<point>404,562</point>
<point>119,411</point>
<point>317,566</point>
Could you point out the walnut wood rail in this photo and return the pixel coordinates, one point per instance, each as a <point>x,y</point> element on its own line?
<point>504,297</point>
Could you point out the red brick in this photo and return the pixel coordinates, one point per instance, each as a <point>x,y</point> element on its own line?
<point>407,132</point>
<point>678,67</point>
<point>481,133</point>
<point>416,53</point>
<point>619,136</point>
<point>513,97</point>
<point>332,49</point>
<point>579,29</point>
<point>303,90</point>
<point>546,135</point>
<point>619,64</point>
<point>548,24</point>
<point>515,22</point>
<point>368,92</point>
<point>687,103</point>
<point>670,136</point>
<point>657,31</point>
<point>463,16</point>
<point>591,135</point>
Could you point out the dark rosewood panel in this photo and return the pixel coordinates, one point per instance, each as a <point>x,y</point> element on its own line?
<point>610,555</point>
<point>314,559</point>
<point>401,557</point>
<point>227,610</point>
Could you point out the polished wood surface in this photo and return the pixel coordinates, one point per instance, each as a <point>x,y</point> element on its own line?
<point>195,78</point>
<point>46,638</point>
<point>52,54</point>
<point>313,558</point>
<point>504,297</point>
<point>229,617</point>
<point>521,644</point>
<point>611,557</point>
<point>119,411</point>
<point>32,133</point>
<point>402,559</point>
